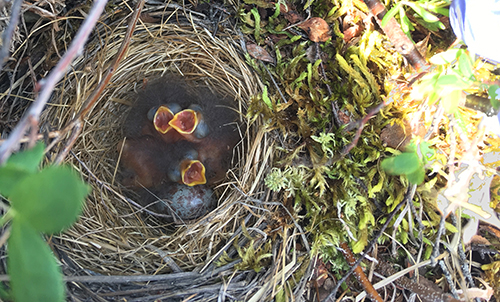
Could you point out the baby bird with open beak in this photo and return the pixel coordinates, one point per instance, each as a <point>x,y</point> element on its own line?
<point>148,163</point>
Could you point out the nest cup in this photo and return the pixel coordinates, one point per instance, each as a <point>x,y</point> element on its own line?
<point>113,236</point>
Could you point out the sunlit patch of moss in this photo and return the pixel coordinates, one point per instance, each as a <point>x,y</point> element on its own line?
<point>344,197</point>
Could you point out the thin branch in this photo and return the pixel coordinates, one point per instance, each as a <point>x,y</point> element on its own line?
<point>410,192</point>
<point>48,84</point>
<point>358,272</point>
<point>425,293</point>
<point>393,30</point>
<point>9,32</point>
<point>362,124</point>
<point>92,99</point>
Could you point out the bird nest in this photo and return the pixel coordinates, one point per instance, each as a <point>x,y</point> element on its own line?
<point>114,235</point>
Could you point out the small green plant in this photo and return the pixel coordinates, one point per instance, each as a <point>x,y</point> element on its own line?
<point>410,163</point>
<point>44,201</point>
<point>424,10</point>
<point>453,73</point>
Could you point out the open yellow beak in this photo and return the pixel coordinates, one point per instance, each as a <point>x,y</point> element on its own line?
<point>162,119</point>
<point>193,173</point>
<point>185,121</point>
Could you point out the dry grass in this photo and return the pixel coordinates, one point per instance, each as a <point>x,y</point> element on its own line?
<point>114,237</point>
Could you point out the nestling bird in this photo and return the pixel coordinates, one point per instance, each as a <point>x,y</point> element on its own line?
<point>149,162</point>
<point>215,149</point>
<point>161,116</point>
<point>144,161</point>
<point>190,124</point>
<point>187,168</point>
<point>180,142</point>
<point>171,94</point>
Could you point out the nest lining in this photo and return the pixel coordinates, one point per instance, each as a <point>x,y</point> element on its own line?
<point>112,236</point>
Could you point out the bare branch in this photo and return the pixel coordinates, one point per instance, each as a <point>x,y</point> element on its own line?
<point>48,84</point>
<point>9,32</point>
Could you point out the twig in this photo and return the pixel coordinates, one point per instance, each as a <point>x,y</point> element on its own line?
<point>90,101</point>
<point>274,82</point>
<point>168,260</point>
<point>410,192</point>
<point>9,32</point>
<point>198,291</point>
<point>52,134</point>
<point>361,125</point>
<point>448,278</point>
<point>303,237</point>
<point>393,277</point>
<point>401,42</point>
<point>50,82</point>
<point>358,272</point>
<point>464,264</point>
<point>425,293</point>
<point>176,277</point>
<point>72,139</point>
<point>440,232</point>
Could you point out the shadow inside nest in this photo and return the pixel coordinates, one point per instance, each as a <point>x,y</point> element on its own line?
<point>177,148</point>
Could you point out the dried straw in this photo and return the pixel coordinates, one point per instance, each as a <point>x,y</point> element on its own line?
<point>116,242</point>
<point>113,236</point>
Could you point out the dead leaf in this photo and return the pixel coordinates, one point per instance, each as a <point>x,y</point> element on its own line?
<point>273,39</point>
<point>395,136</point>
<point>317,29</point>
<point>422,45</point>
<point>344,117</point>
<point>259,53</point>
<point>352,32</point>
<point>290,14</point>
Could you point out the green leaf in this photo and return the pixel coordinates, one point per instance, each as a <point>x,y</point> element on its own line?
<point>308,3</point>
<point>404,237</point>
<point>494,93</point>
<point>360,245</point>
<point>390,14</point>
<point>255,13</point>
<point>277,10</point>
<point>461,121</point>
<point>9,178</point>
<point>440,10</point>
<point>259,3</point>
<point>450,81</point>
<point>34,274</point>
<point>450,227</point>
<point>18,167</point>
<point>404,163</point>
<point>465,65</point>
<point>406,25</point>
<point>426,150</point>
<point>416,177</point>
<point>28,160</point>
<point>427,16</point>
<point>446,57</point>
<point>50,200</point>
<point>366,217</point>
<point>266,98</point>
